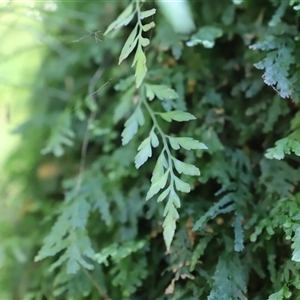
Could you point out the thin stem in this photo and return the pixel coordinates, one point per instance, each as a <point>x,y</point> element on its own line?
<point>92,93</point>
<point>163,136</point>
<point>138,11</point>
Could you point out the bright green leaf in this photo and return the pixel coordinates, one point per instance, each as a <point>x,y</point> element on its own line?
<point>277,296</point>
<point>174,198</point>
<point>141,68</point>
<point>123,19</point>
<point>154,139</point>
<point>149,92</point>
<point>181,185</point>
<point>188,169</point>
<point>169,225</point>
<point>177,115</point>
<point>131,125</point>
<point>159,167</point>
<point>147,27</point>
<point>169,231</point>
<point>158,185</point>
<point>162,92</point>
<point>144,152</point>
<point>174,144</point>
<point>163,195</point>
<point>282,147</point>
<point>140,116</point>
<point>144,42</point>
<point>147,13</point>
<point>129,45</point>
<point>186,143</point>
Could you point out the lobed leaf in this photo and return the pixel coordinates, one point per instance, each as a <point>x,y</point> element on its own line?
<point>169,225</point>
<point>144,152</point>
<point>188,169</point>
<point>147,13</point>
<point>181,185</point>
<point>129,45</point>
<point>164,194</point>
<point>175,199</point>
<point>282,147</point>
<point>186,143</point>
<point>148,26</point>
<point>123,19</point>
<point>131,125</point>
<point>141,69</point>
<point>173,143</point>
<point>158,185</point>
<point>177,115</point>
<point>276,65</point>
<point>278,295</point>
<point>159,167</point>
<point>144,42</point>
<point>162,92</point>
<point>154,139</point>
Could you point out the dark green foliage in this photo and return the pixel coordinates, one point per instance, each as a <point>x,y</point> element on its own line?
<point>160,164</point>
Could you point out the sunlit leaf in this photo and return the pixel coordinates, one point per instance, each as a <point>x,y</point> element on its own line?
<point>177,115</point>
<point>148,26</point>
<point>123,19</point>
<point>169,225</point>
<point>129,45</point>
<point>181,185</point>
<point>159,167</point>
<point>144,42</point>
<point>144,152</point>
<point>131,125</point>
<point>154,139</point>
<point>147,13</point>
<point>157,185</point>
<point>188,169</point>
<point>163,195</point>
<point>161,92</point>
<point>186,143</point>
<point>141,69</point>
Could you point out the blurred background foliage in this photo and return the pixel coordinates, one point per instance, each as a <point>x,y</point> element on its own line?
<point>74,223</point>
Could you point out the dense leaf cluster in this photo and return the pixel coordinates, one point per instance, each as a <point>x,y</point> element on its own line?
<point>161,160</point>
